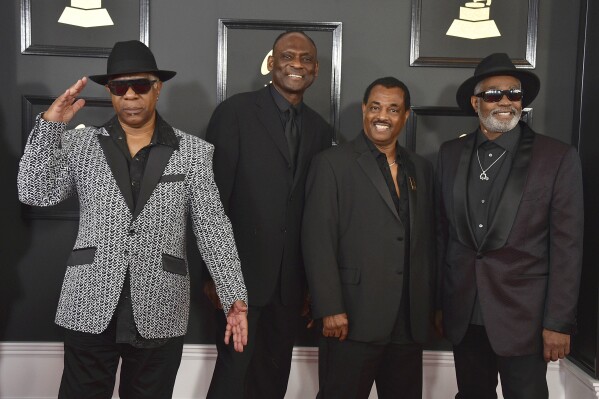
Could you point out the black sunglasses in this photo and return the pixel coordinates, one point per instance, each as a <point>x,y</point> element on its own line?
<point>494,95</point>
<point>139,86</point>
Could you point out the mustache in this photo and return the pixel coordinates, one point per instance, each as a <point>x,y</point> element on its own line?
<point>380,121</point>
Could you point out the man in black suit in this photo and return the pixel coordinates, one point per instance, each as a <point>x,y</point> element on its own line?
<point>368,241</point>
<point>511,217</point>
<point>264,143</point>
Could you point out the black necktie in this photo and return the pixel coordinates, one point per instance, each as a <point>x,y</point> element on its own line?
<point>292,134</point>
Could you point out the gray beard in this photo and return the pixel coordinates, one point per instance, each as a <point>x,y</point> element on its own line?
<point>494,125</point>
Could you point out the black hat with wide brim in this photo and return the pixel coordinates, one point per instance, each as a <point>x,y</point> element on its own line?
<point>128,58</point>
<point>498,64</point>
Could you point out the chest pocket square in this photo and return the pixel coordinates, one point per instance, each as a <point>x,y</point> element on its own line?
<point>172,178</point>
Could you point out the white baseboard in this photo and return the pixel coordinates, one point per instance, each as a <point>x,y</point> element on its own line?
<point>32,370</point>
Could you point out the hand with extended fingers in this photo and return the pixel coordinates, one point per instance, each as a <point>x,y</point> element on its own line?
<point>64,108</point>
<point>237,325</point>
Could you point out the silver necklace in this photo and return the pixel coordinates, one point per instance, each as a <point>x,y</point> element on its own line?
<point>483,175</point>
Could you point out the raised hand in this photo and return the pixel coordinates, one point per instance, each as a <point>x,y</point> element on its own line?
<point>64,108</point>
<point>237,325</point>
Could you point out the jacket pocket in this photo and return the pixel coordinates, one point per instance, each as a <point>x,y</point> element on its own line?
<point>349,276</point>
<point>174,265</point>
<point>82,256</point>
<point>172,178</point>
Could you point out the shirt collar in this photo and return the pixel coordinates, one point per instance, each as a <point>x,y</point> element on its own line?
<point>376,152</point>
<point>163,132</point>
<point>508,140</point>
<point>281,102</point>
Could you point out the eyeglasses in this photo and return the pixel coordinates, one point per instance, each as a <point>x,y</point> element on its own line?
<point>494,95</point>
<point>139,86</point>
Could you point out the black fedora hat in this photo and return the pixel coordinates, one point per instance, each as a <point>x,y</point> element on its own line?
<point>131,57</point>
<point>495,65</point>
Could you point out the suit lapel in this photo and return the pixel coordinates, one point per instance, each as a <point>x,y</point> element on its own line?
<point>157,161</point>
<point>371,169</point>
<point>460,194</point>
<point>507,208</point>
<point>118,166</point>
<point>268,114</point>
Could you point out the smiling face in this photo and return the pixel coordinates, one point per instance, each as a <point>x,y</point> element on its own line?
<point>293,65</point>
<point>137,110</point>
<point>384,115</point>
<point>502,116</point>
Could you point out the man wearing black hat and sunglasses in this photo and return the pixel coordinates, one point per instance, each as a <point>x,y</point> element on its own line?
<point>510,239</point>
<point>126,289</point>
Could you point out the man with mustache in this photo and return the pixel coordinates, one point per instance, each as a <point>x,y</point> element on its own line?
<point>264,142</point>
<point>510,239</point>
<point>369,250</point>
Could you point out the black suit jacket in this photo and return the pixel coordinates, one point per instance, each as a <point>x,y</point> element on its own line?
<point>260,193</point>
<point>527,269</point>
<point>353,242</point>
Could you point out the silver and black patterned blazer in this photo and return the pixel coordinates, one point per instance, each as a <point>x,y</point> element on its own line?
<point>113,236</point>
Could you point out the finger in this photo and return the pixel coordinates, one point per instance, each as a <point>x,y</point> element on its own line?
<point>344,331</point>
<point>227,333</point>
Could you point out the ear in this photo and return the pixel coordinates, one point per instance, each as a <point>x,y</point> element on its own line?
<point>316,70</point>
<point>408,112</point>
<point>474,102</point>
<point>270,64</point>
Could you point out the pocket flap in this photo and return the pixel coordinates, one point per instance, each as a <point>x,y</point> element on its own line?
<point>82,256</point>
<point>174,265</point>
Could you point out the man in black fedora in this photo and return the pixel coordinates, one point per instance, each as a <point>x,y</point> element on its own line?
<point>510,239</point>
<point>139,180</point>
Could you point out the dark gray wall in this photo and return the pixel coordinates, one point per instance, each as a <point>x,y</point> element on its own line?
<point>183,36</point>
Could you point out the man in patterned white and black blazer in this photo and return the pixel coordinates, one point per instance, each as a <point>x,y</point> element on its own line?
<point>126,288</point>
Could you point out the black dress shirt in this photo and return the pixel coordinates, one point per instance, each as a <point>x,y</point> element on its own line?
<point>283,105</point>
<point>495,158</point>
<point>126,331</point>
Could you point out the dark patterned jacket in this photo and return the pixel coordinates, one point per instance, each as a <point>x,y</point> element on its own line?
<point>113,237</point>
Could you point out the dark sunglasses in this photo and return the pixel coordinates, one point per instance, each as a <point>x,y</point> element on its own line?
<point>494,95</point>
<point>139,86</point>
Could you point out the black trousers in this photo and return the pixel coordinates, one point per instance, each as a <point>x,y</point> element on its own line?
<point>261,371</point>
<point>91,361</point>
<point>348,369</point>
<point>477,366</point>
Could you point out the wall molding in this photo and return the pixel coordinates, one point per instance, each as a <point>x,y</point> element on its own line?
<point>32,370</point>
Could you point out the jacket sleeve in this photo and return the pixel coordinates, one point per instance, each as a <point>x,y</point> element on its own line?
<point>214,233</point>
<point>44,178</point>
<point>320,239</point>
<point>565,246</point>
